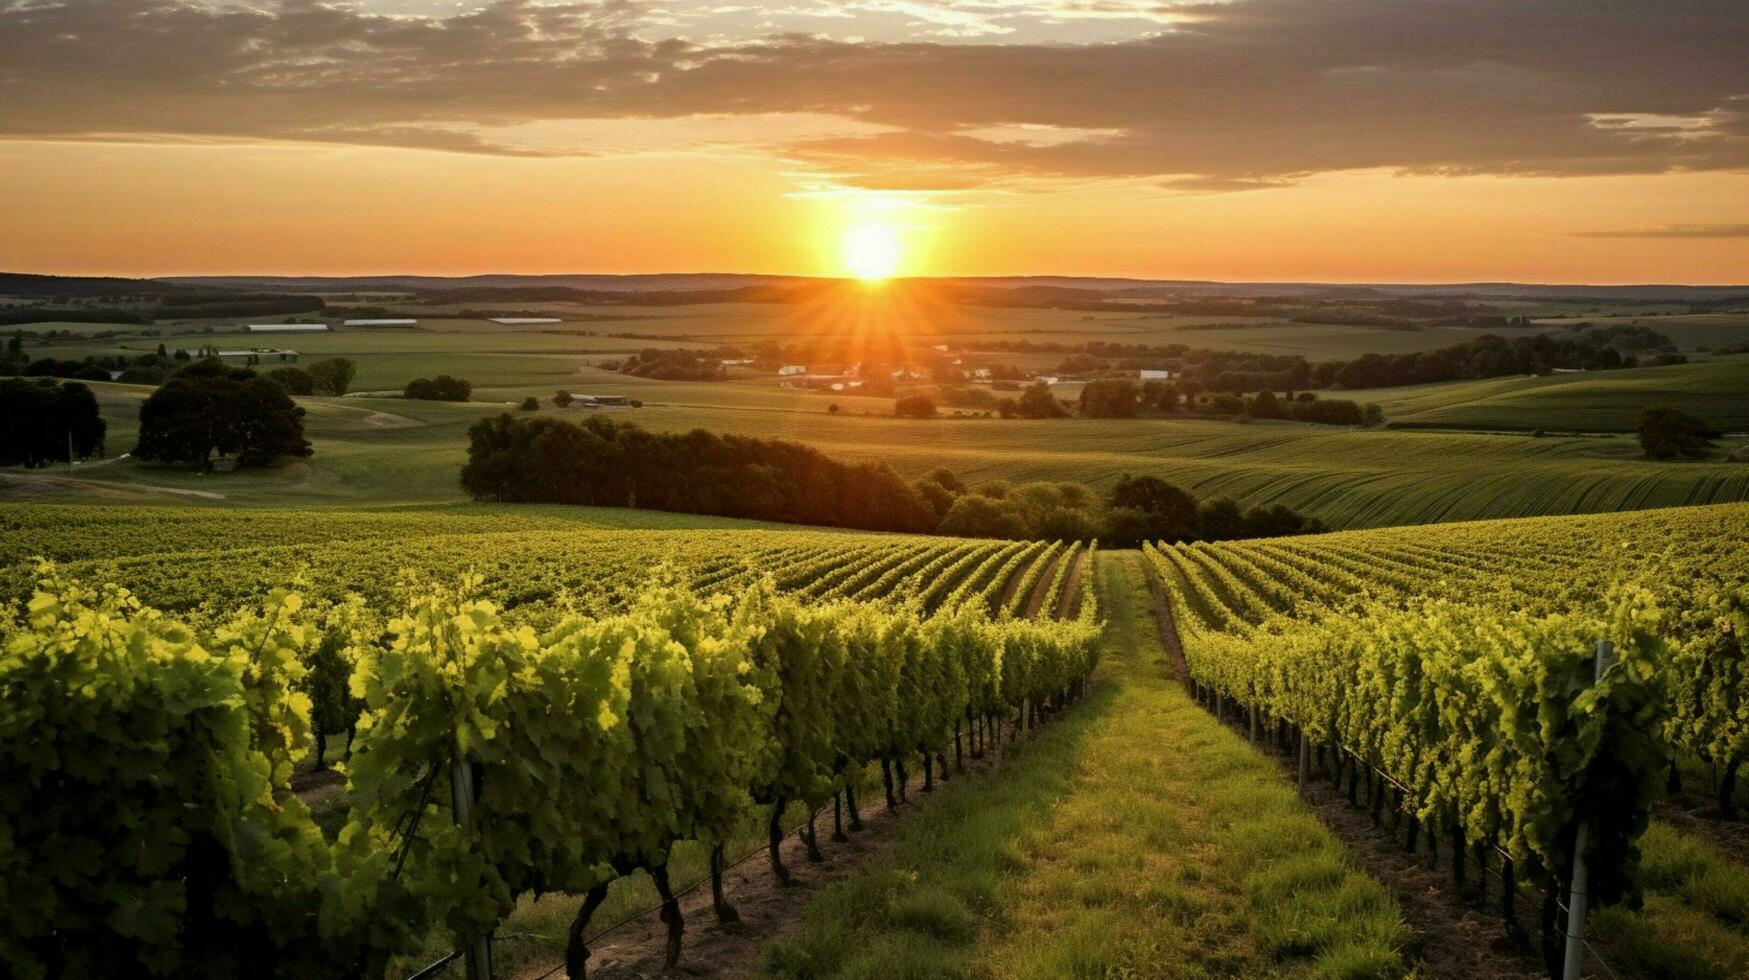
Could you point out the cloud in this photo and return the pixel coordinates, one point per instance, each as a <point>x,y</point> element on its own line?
<point>1673,231</point>
<point>1235,95</point>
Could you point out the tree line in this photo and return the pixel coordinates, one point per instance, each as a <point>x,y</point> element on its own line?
<point>45,421</point>
<point>607,462</point>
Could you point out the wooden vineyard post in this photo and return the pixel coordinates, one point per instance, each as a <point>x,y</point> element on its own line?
<point>461,789</point>
<point>1577,892</point>
<point>1303,760</point>
<point>1253,723</point>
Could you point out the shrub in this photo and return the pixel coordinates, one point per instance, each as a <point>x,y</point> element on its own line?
<point>1110,398</point>
<point>332,377</point>
<point>295,381</point>
<point>442,388</point>
<point>914,407</point>
<point>1666,433</point>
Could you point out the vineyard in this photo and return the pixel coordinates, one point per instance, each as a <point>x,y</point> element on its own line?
<point>1520,692</point>
<point>576,707</point>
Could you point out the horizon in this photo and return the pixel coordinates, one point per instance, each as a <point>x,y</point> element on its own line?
<point>842,278</point>
<point>1245,141</point>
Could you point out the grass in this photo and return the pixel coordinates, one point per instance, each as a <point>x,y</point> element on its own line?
<point>372,452</point>
<point>1695,923</point>
<point>1715,390</point>
<point>1132,836</point>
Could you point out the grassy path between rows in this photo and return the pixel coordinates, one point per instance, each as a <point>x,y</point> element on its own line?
<point>1131,836</point>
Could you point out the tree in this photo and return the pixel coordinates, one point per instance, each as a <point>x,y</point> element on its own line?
<point>295,381</point>
<point>442,388</point>
<point>563,399</point>
<point>978,516</point>
<point>15,344</point>
<point>1162,396</point>
<point>45,421</point>
<point>531,404</point>
<point>1220,520</point>
<point>1265,406</point>
<point>332,377</point>
<point>1167,513</point>
<point>209,407</point>
<point>1666,433</point>
<point>1037,402</point>
<point>939,489</point>
<point>914,407</point>
<point>1110,398</point>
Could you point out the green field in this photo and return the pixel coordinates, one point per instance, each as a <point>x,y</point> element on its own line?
<point>371,452</point>
<point>1715,390</point>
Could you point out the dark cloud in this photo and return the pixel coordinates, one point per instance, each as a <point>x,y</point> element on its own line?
<point>1240,95</point>
<point>1673,231</point>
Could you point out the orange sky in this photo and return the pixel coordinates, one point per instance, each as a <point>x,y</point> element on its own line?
<point>608,141</point>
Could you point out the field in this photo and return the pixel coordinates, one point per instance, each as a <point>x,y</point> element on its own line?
<point>1504,594</point>
<point>1601,401</point>
<point>371,452</point>
<point>1120,827</point>
<point>1064,760</point>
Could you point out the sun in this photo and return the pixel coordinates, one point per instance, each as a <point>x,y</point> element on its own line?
<point>872,251</point>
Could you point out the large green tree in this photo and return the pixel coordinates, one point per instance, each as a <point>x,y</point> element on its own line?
<point>43,421</point>
<point>1110,398</point>
<point>1666,433</point>
<point>332,377</point>
<point>211,408</point>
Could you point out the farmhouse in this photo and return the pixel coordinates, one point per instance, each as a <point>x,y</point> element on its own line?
<point>287,328</point>
<point>792,370</point>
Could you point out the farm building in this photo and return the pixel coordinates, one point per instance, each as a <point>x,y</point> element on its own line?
<point>517,321</point>
<point>287,328</point>
<point>600,401</point>
<point>791,370</point>
<point>393,322</point>
<point>736,361</point>
<point>1149,374</point>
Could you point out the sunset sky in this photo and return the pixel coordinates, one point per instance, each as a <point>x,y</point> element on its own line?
<point>1343,140</point>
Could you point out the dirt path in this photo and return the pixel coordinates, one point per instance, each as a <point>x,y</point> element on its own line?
<point>1012,586</point>
<point>1070,600</point>
<point>1459,935</point>
<point>1041,588</point>
<point>24,485</point>
<point>1168,627</point>
<point>767,910</point>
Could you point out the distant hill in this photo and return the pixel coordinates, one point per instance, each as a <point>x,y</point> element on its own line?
<point>722,286</point>
<point>1138,288</point>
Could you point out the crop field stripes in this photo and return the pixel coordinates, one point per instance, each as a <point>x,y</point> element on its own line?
<point>936,590</point>
<point>1020,593</point>
<point>1359,683</point>
<point>991,597</point>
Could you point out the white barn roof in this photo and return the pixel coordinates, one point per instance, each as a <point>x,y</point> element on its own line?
<point>511,321</point>
<point>382,323</point>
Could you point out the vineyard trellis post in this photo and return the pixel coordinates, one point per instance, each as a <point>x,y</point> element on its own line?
<point>1581,883</point>
<point>461,785</point>
<point>1304,760</point>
